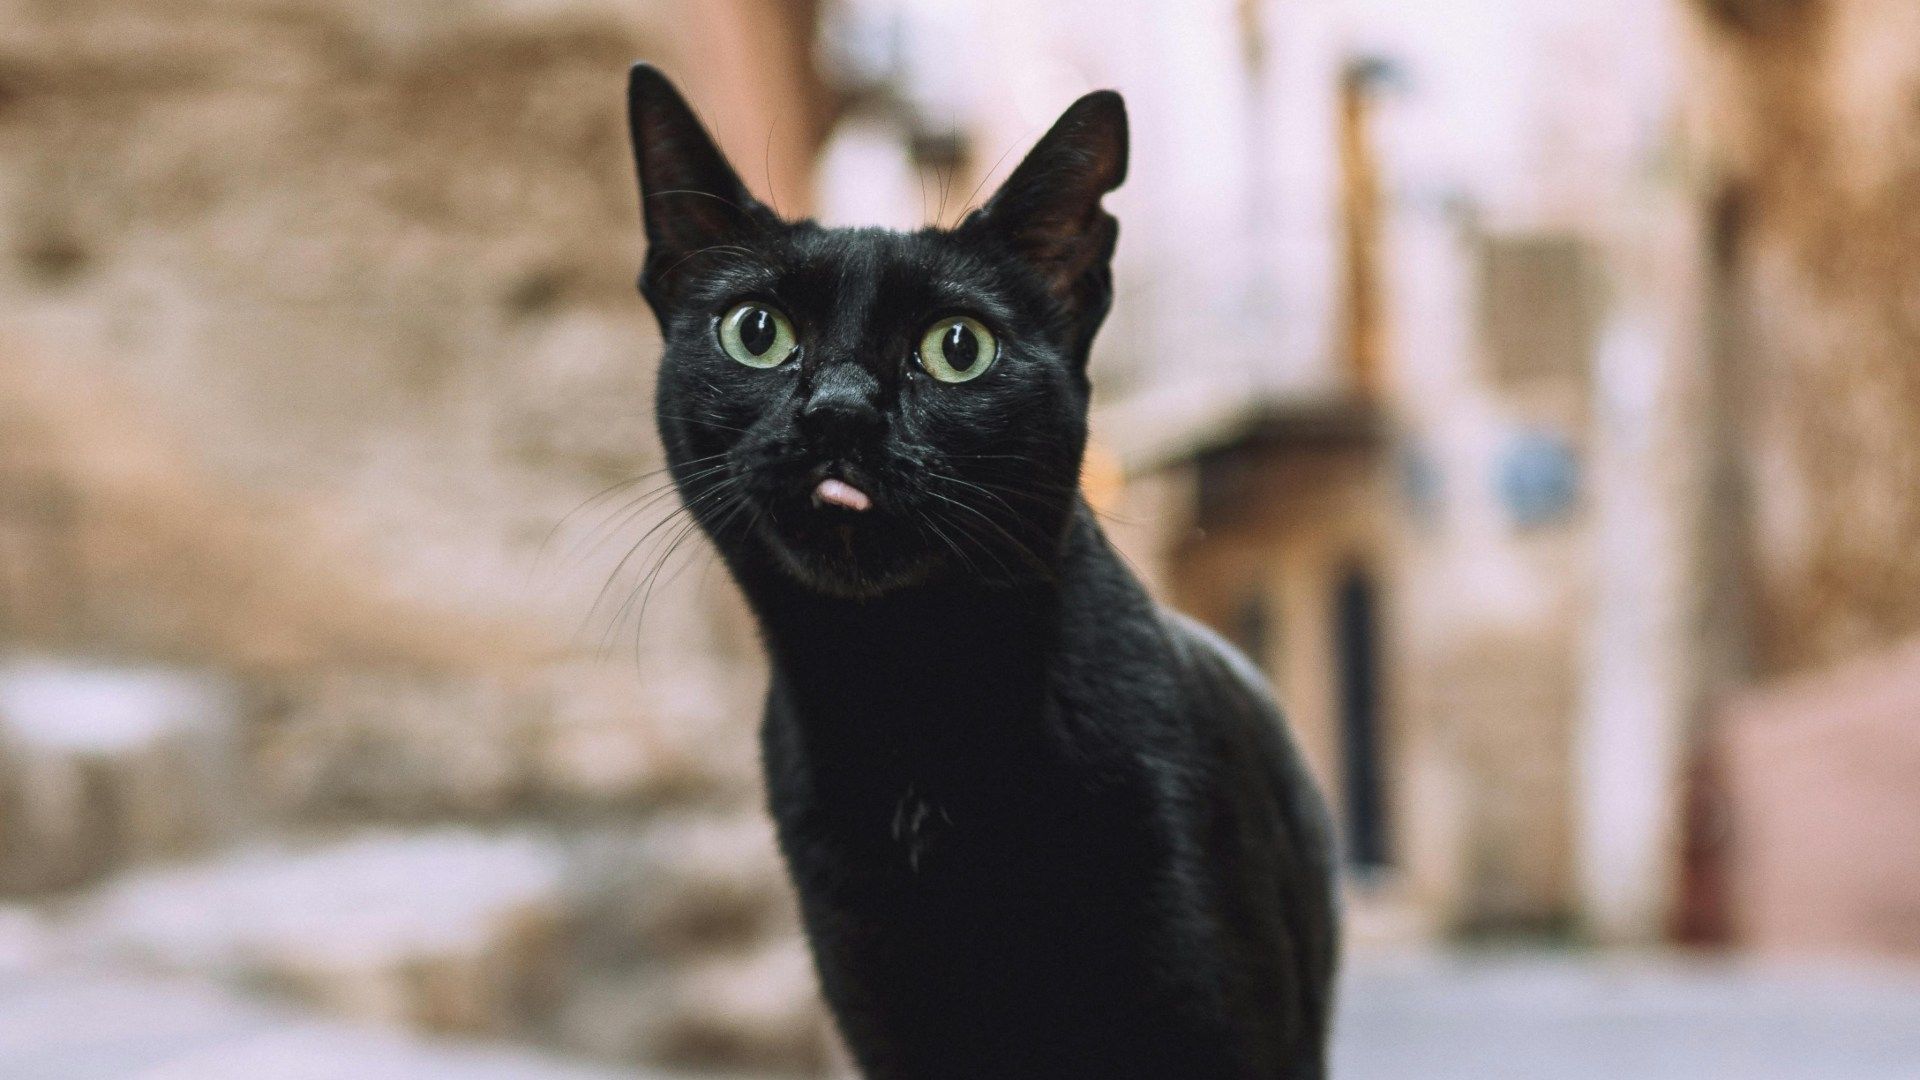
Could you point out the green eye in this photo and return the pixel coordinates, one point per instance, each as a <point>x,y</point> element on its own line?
<point>757,335</point>
<point>957,349</point>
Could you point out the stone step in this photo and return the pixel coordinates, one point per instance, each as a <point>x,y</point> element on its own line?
<point>405,747</point>
<point>670,940</point>
<point>449,931</point>
<point>102,767</point>
<point>103,764</point>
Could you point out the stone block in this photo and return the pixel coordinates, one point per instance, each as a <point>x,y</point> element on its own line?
<point>101,767</point>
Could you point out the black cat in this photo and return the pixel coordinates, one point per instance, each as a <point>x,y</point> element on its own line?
<point>1039,826</point>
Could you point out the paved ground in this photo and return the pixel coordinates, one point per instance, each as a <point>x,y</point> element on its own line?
<point>75,1026</point>
<point>1565,1018</point>
<point>1491,1018</point>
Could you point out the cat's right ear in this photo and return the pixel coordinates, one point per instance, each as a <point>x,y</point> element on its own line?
<point>690,198</point>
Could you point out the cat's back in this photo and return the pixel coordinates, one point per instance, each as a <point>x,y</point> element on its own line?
<point>1192,719</point>
<point>1235,705</point>
<point>1170,690</point>
<point>1261,817</point>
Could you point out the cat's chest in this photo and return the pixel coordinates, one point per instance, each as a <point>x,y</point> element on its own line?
<point>918,844</point>
<point>914,833</point>
<point>1000,803</point>
<point>920,828</point>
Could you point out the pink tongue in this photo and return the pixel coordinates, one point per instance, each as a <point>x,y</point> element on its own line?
<point>842,494</point>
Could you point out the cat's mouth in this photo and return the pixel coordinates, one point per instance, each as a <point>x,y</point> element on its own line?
<point>838,529</point>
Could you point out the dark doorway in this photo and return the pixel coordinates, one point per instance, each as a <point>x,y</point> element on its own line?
<point>1363,794</point>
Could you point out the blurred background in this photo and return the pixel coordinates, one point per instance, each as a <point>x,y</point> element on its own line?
<point>1528,386</point>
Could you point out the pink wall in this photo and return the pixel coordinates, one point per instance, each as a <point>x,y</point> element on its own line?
<point>1824,783</point>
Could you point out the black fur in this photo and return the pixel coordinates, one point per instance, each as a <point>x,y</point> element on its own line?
<point>1039,827</point>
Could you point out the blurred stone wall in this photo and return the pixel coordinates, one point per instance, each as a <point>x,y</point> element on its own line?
<point>1810,112</point>
<point>372,258</point>
<point>320,324</point>
<point>323,380</point>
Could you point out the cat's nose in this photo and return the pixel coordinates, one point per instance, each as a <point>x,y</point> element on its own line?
<point>843,408</point>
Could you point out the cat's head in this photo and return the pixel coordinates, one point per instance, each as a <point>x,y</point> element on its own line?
<point>863,409</point>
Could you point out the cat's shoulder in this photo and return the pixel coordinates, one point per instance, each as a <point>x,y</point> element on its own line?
<point>1203,650</point>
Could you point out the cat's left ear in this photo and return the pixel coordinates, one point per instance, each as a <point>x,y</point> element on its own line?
<point>690,197</point>
<point>1049,211</point>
